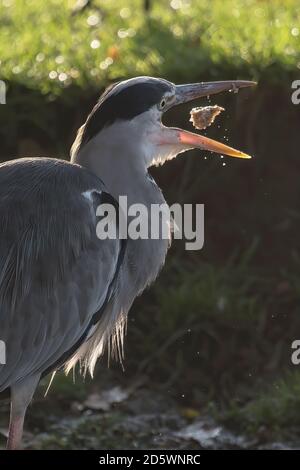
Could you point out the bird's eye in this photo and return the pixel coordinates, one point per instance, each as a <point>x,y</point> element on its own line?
<point>162,103</point>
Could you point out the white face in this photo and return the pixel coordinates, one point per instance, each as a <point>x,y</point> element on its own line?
<point>156,142</point>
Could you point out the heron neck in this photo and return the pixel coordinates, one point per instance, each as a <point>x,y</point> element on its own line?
<point>123,173</point>
<point>122,178</point>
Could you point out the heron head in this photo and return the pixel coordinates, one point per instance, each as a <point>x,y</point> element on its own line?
<point>128,118</point>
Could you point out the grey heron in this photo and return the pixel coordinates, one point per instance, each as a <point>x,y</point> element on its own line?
<point>65,293</point>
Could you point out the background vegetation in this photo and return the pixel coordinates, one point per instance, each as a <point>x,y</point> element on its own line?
<point>215,332</point>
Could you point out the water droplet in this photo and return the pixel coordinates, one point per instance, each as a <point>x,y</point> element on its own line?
<point>16,69</point>
<point>95,44</point>
<point>62,77</point>
<point>295,32</point>
<point>131,32</point>
<point>177,31</point>
<point>125,13</point>
<point>93,20</point>
<point>122,33</point>
<point>53,75</point>
<point>176,4</point>
<point>234,89</point>
<point>106,63</point>
<point>59,59</point>
<point>74,73</point>
<point>40,57</point>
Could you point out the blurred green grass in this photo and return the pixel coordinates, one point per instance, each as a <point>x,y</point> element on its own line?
<point>214,326</point>
<point>273,414</point>
<point>50,46</point>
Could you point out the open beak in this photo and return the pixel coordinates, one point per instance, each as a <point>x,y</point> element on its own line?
<point>185,93</point>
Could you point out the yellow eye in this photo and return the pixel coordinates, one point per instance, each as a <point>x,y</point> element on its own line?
<point>162,103</point>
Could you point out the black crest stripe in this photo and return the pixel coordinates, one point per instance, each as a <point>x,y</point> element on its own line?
<point>123,104</point>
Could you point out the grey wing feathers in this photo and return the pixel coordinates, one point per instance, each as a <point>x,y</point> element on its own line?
<point>54,271</point>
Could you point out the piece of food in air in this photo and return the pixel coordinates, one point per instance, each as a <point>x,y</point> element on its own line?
<point>204,116</point>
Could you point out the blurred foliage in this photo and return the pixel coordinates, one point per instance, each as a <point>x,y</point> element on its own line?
<point>53,45</point>
<point>273,414</point>
<point>233,323</point>
<point>277,407</point>
<point>219,339</point>
<point>218,325</point>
